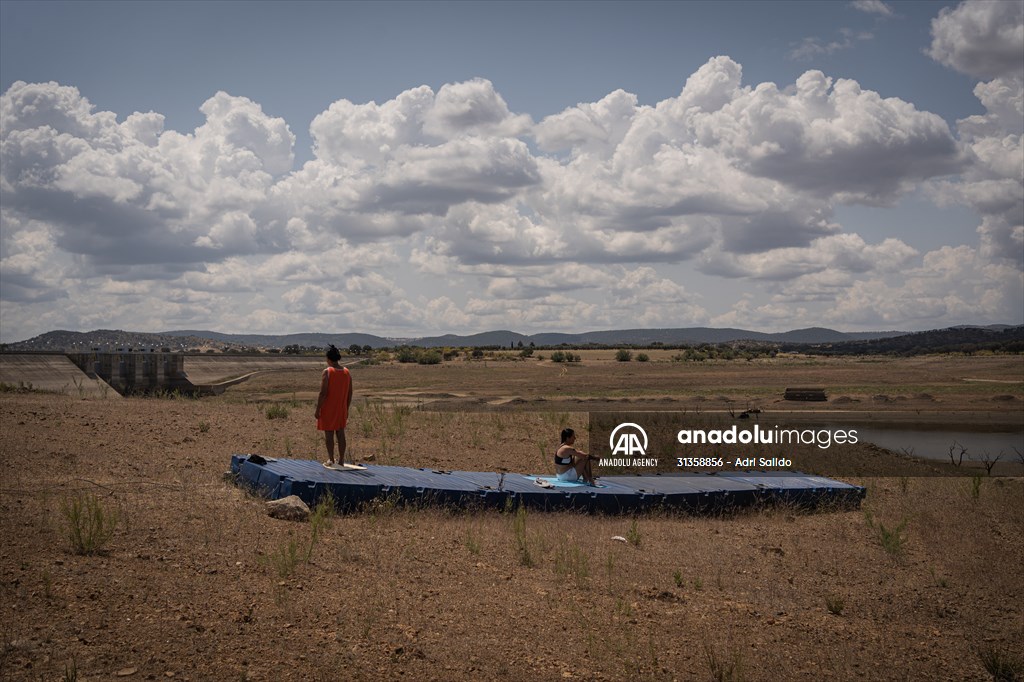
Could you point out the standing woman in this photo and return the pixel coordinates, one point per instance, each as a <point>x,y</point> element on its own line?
<point>333,403</point>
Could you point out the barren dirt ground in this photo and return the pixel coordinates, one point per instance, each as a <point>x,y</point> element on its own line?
<point>198,583</point>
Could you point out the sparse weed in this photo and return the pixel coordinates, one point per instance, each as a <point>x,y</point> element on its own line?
<point>609,568</point>
<point>571,561</point>
<point>391,419</point>
<point>204,426</point>
<point>320,520</point>
<point>542,448</point>
<point>47,584</point>
<point>835,604</point>
<point>677,578</point>
<point>633,534</point>
<point>22,387</point>
<point>939,581</point>
<point>1002,666</point>
<point>893,540</point>
<point>385,506</point>
<point>724,670</point>
<point>975,487</point>
<point>472,543</point>
<point>285,558</point>
<point>276,411</point>
<point>523,550</point>
<point>90,526</point>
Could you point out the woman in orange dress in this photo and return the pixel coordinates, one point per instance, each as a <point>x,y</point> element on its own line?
<point>333,403</point>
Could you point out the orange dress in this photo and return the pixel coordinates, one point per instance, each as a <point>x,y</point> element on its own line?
<point>334,411</point>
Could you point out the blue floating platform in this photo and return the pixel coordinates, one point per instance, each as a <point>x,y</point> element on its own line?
<point>700,493</point>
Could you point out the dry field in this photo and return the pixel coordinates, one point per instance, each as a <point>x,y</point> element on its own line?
<point>196,582</point>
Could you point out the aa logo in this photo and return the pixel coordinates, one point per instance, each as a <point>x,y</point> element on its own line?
<point>628,439</point>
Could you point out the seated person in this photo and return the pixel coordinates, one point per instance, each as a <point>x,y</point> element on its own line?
<point>570,463</point>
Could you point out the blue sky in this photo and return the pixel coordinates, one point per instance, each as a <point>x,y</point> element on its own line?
<point>415,168</point>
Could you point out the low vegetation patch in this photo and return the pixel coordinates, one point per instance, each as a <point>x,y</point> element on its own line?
<point>276,411</point>
<point>89,524</point>
<point>1003,667</point>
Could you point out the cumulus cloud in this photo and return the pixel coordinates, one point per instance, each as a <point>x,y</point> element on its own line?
<point>129,193</point>
<point>28,273</point>
<point>844,253</point>
<point>986,39</point>
<point>982,38</point>
<point>953,284</point>
<point>750,168</point>
<point>591,217</point>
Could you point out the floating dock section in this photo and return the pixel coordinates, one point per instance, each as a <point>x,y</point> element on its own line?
<point>698,493</point>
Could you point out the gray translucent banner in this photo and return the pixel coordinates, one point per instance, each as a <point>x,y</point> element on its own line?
<point>650,442</point>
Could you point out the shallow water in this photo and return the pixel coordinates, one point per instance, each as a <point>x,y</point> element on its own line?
<point>935,444</point>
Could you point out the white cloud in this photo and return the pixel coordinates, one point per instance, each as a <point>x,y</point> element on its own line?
<point>954,285</point>
<point>872,7</point>
<point>986,39</point>
<point>596,225</point>
<point>846,253</point>
<point>811,47</point>
<point>29,271</point>
<point>595,128</point>
<point>982,38</point>
<point>129,193</point>
<point>745,314</point>
<point>472,107</point>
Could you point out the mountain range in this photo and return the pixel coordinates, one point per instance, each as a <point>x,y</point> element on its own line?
<point>194,339</point>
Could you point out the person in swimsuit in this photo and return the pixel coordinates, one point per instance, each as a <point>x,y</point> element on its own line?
<point>570,463</point>
<point>333,403</point>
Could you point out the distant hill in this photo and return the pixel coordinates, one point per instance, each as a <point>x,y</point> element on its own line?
<point>107,339</point>
<point>962,339</point>
<point>194,339</point>
<point>307,340</point>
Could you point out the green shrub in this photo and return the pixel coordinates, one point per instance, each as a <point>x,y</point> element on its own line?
<point>276,412</point>
<point>320,520</point>
<point>643,357</point>
<point>90,526</point>
<point>892,539</point>
<point>285,558</point>
<point>429,357</point>
<point>633,534</point>
<point>526,557</point>
<point>623,355</point>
